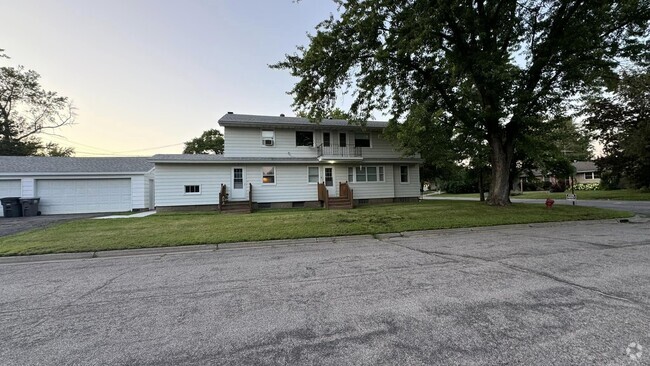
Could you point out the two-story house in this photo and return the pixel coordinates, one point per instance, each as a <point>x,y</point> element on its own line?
<point>282,161</point>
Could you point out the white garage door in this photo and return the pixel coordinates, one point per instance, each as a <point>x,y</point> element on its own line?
<point>61,196</point>
<point>9,188</point>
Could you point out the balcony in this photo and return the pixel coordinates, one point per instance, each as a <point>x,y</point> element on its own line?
<point>339,153</point>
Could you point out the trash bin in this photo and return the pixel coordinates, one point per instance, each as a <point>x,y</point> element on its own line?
<point>30,206</point>
<point>11,207</point>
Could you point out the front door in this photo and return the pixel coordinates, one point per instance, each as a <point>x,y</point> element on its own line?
<point>328,177</point>
<point>237,192</point>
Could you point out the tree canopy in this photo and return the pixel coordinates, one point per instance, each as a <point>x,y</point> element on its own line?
<point>493,72</point>
<point>210,142</point>
<point>26,109</point>
<point>621,121</point>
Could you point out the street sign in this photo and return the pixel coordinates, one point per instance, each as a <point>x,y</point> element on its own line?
<point>571,197</point>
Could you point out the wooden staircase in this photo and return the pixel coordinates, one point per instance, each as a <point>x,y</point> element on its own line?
<point>344,201</point>
<point>235,207</point>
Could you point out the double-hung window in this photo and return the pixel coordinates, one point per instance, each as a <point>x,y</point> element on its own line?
<point>305,138</point>
<point>362,140</point>
<point>312,174</point>
<point>268,175</point>
<point>404,174</point>
<point>366,174</point>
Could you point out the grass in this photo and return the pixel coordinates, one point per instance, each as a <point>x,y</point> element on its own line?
<point>175,229</point>
<point>620,194</point>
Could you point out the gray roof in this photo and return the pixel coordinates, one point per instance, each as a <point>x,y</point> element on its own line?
<point>248,120</point>
<point>41,164</point>
<point>211,158</point>
<point>585,166</point>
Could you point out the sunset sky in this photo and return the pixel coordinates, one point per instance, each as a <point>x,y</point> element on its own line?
<point>147,75</point>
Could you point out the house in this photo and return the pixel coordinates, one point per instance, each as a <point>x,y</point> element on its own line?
<point>69,185</point>
<point>586,172</point>
<point>288,162</point>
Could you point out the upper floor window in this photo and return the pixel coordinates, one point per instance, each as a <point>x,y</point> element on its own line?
<point>343,139</point>
<point>268,137</point>
<point>304,138</point>
<point>326,139</point>
<point>268,175</point>
<point>362,140</point>
<point>404,174</point>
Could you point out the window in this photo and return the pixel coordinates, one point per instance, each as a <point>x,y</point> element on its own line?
<point>326,139</point>
<point>343,139</point>
<point>268,175</point>
<point>592,175</point>
<point>304,138</point>
<point>192,189</point>
<point>361,140</point>
<point>268,137</point>
<point>404,174</point>
<point>366,174</point>
<point>312,174</point>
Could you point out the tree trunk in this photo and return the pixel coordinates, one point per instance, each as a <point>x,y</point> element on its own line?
<point>481,191</point>
<point>501,158</point>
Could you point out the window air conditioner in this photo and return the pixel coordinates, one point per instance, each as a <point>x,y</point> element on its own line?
<point>268,142</point>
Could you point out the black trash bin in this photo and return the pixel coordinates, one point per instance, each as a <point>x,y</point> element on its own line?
<point>11,207</point>
<point>30,206</point>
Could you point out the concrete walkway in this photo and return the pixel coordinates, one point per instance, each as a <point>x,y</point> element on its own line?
<point>638,207</point>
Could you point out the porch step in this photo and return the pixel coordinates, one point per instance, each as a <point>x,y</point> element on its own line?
<point>236,207</point>
<point>339,203</point>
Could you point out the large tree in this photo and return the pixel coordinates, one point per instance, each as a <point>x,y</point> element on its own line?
<point>495,70</point>
<point>26,109</point>
<point>210,142</point>
<point>621,121</point>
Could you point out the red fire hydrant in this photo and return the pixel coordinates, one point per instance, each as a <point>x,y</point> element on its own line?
<point>549,203</point>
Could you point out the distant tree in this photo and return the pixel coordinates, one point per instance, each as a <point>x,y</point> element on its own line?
<point>621,121</point>
<point>494,69</point>
<point>210,142</point>
<point>26,110</point>
<point>54,149</point>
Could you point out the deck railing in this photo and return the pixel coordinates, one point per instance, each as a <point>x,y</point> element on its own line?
<point>346,192</point>
<point>323,195</point>
<point>339,151</point>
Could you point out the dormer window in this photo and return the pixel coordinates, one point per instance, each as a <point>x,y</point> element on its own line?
<point>268,138</point>
<point>305,138</point>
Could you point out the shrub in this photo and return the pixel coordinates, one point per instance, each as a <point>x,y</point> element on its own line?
<point>586,186</point>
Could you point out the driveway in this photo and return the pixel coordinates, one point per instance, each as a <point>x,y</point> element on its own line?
<point>638,207</point>
<point>541,294</point>
<point>14,225</point>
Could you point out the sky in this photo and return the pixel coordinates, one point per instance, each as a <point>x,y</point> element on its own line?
<point>146,76</point>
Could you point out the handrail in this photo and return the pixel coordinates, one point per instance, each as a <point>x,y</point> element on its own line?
<point>250,196</point>
<point>342,151</point>
<point>346,192</point>
<point>323,195</point>
<point>223,196</point>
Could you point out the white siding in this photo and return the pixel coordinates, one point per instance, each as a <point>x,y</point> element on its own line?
<point>247,142</point>
<point>171,180</point>
<point>9,188</point>
<point>291,184</point>
<point>410,189</point>
<point>366,190</point>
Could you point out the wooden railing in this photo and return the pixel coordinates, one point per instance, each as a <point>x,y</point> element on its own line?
<point>250,196</point>
<point>340,151</point>
<point>223,196</point>
<point>346,192</point>
<point>323,195</point>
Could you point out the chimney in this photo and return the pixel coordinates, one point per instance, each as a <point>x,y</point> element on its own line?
<point>281,114</point>
<point>229,112</point>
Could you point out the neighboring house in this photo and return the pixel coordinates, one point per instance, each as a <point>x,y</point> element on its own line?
<point>69,185</point>
<point>586,172</point>
<point>284,160</point>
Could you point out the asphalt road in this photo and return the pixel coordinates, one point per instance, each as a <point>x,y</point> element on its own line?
<point>638,207</point>
<point>543,294</point>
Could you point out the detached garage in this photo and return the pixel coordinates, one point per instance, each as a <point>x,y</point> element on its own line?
<point>79,185</point>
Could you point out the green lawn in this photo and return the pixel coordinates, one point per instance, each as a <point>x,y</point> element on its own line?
<point>163,230</point>
<point>621,194</point>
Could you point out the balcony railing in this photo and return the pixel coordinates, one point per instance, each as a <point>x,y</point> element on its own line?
<point>336,151</point>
